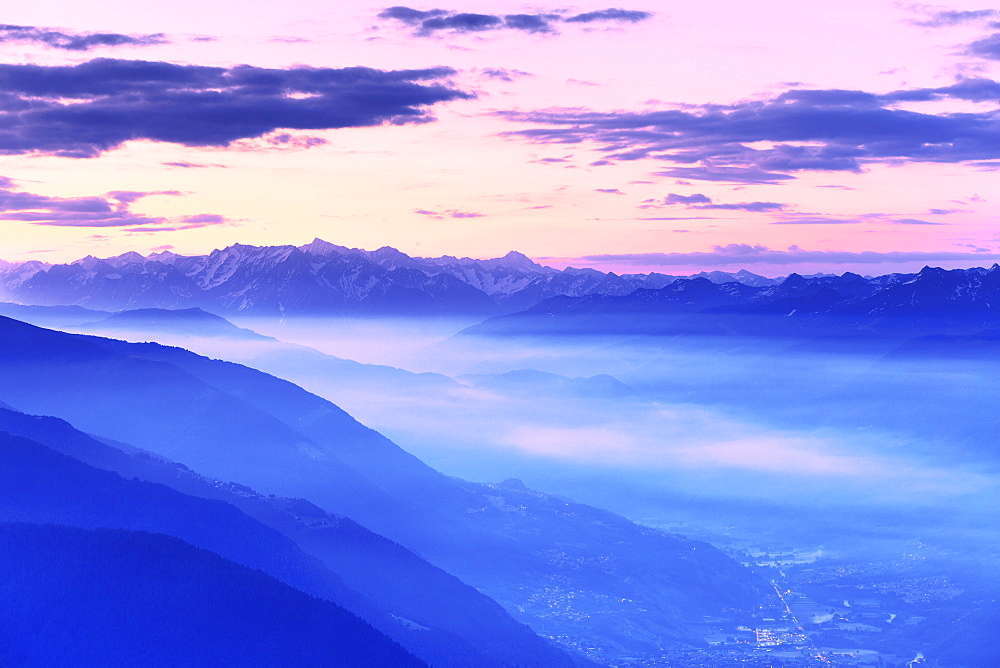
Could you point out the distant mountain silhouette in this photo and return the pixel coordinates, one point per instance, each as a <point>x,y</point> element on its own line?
<point>189,322</point>
<point>51,316</point>
<point>231,422</point>
<point>931,302</point>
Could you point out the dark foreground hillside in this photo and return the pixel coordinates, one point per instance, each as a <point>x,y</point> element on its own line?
<point>73,597</point>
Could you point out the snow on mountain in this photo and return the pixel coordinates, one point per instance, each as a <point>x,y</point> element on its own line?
<point>318,278</point>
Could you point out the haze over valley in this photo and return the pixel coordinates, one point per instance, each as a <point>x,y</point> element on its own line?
<point>849,440</point>
<point>499,335</point>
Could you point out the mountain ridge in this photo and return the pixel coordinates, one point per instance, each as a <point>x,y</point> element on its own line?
<point>318,278</point>
<point>933,301</point>
<point>512,544</point>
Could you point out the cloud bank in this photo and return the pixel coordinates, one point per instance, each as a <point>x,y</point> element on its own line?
<point>75,41</point>
<point>109,210</point>
<point>435,22</point>
<point>745,254</point>
<point>699,201</point>
<point>802,130</point>
<point>83,110</point>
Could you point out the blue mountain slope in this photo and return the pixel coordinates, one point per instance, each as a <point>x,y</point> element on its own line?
<point>188,322</point>
<point>143,599</point>
<point>235,423</point>
<point>458,626</point>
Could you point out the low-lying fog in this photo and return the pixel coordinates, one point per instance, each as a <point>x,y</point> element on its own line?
<point>776,439</point>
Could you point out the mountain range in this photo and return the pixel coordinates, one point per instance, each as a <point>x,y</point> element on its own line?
<point>316,279</point>
<point>933,301</point>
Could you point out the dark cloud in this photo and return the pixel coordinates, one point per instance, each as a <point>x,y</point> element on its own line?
<point>756,207</point>
<point>941,19</point>
<point>988,47</point>
<point>411,16</point>
<point>504,74</point>
<point>972,89</point>
<point>530,22</point>
<point>699,201</point>
<point>805,130</point>
<point>697,198</point>
<point>463,22</point>
<point>747,175</point>
<point>915,221</point>
<point>616,15</point>
<point>609,191</point>
<point>426,23</point>
<point>70,41</point>
<point>553,161</point>
<point>204,219</point>
<point>83,110</point>
<point>110,210</point>
<point>744,254</point>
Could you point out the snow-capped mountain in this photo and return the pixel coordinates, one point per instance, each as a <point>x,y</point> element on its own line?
<point>319,278</point>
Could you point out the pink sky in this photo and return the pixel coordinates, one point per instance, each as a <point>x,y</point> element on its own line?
<point>724,133</point>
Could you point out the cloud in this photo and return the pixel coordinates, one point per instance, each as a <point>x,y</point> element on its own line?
<point>812,219</point>
<point>552,161</point>
<point>191,165</point>
<point>435,22</point>
<point>699,201</point>
<point>503,74</point>
<point>697,198</point>
<point>449,213</point>
<point>677,218</point>
<point>914,221</point>
<point>755,207</point>
<point>817,220</point>
<point>744,254</point>
<point>767,141</point>
<point>944,18</point>
<point>73,41</point>
<point>110,210</point>
<point>988,47</point>
<point>740,175</point>
<point>974,89</point>
<point>609,191</point>
<point>83,110</point>
<point>617,15</point>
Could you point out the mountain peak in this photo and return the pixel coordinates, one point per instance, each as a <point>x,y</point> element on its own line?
<point>320,247</point>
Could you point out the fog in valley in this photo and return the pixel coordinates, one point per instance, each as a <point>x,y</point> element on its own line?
<point>768,444</point>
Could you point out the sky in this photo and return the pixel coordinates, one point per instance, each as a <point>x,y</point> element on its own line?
<point>774,136</point>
